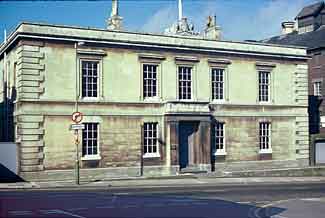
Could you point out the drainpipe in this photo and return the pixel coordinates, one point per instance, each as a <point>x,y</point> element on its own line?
<point>77,166</point>
<point>4,65</point>
<point>5,91</point>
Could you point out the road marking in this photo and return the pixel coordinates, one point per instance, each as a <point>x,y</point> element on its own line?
<point>77,209</point>
<point>278,216</point>
<point>122,193</point>
<point>60,212</point>
<point>256,212</point>
<point>311,199</point>
<point>20,213</point>
<point>251,212</point>
<point>105,207</point>
<point>244,202</point>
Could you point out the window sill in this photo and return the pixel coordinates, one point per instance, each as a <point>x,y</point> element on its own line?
<point>90,99</point>
<point>268,151</point>
<point>218,101</point>
<point>91,157</point>
<point>265,102</point>
<point>151,155</point>
<point>186,100</point>
<point>152,99</point>
<point>220,153</point>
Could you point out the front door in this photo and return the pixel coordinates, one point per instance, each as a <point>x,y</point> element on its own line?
<point>187,132</point>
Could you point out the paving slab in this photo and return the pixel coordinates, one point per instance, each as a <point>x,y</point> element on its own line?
<point>161,182</point>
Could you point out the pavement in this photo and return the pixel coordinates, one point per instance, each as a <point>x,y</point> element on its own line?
<point>293,208</point>
<point>188,180</point>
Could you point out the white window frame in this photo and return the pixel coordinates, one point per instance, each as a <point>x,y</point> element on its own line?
<point>152,154</point>
<point>223,150</point>
<point>91,156</point>
<point>212,69</point>
<point>262,137</point>
<point>99,73</point>
<point>317,88</point>
<point>157,97</point>
<point>192,82</point>
<point>268,86</point>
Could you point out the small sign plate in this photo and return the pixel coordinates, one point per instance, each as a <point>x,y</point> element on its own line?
<point>77,126</point>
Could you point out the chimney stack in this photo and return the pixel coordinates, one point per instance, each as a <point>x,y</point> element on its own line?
<point>115,21</point>
<point>288,27</point>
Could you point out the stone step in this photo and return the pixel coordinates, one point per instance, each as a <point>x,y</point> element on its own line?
<point>281,172</point>
<point>192,170</point>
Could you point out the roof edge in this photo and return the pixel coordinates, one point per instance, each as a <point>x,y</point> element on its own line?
<point>12,36</point>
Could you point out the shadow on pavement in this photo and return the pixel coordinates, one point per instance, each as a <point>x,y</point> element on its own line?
<point>7,176</point>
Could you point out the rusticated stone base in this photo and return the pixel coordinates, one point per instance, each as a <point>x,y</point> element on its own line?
<point>229,167</point>
<point>99,173</point>
<point>221,170</point>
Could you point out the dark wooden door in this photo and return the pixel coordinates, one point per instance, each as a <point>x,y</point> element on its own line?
<point>186,143</point>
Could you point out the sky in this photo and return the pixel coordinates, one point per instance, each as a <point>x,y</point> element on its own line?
<point>239,19</point>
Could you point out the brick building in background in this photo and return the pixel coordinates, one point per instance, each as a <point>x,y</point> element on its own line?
<point>309,31</point>
<point>181,102</point>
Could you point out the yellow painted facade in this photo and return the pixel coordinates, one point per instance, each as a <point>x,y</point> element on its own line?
<point>47,78</point>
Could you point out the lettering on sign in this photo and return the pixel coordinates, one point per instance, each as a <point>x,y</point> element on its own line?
<point>77,126</point>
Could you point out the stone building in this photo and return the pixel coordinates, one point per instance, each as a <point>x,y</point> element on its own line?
<point>309,31</point>
<point>171,103</point>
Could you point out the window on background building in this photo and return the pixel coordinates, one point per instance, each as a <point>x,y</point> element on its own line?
<point>15,75</point>
<point>185,83</point>
<point>318,88</point>
<point>150,140</point>
<point>90,77</point>
<point>219,130</point>
<point>264,86</point>
<point>217,84</point>
<point>90,139</point>
<point>265,136</point>
<point>150,81</point>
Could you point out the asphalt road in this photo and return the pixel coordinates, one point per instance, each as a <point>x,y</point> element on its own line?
<point>244,201</point>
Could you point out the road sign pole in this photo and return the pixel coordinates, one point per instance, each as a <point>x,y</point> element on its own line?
<point>77,118</point>
<point>77,157</point>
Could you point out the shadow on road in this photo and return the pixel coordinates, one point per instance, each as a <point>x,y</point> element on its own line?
<point>86,205</point>
<point>7,176</point>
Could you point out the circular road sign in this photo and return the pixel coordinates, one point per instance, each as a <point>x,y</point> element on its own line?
<point>77,117</point>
